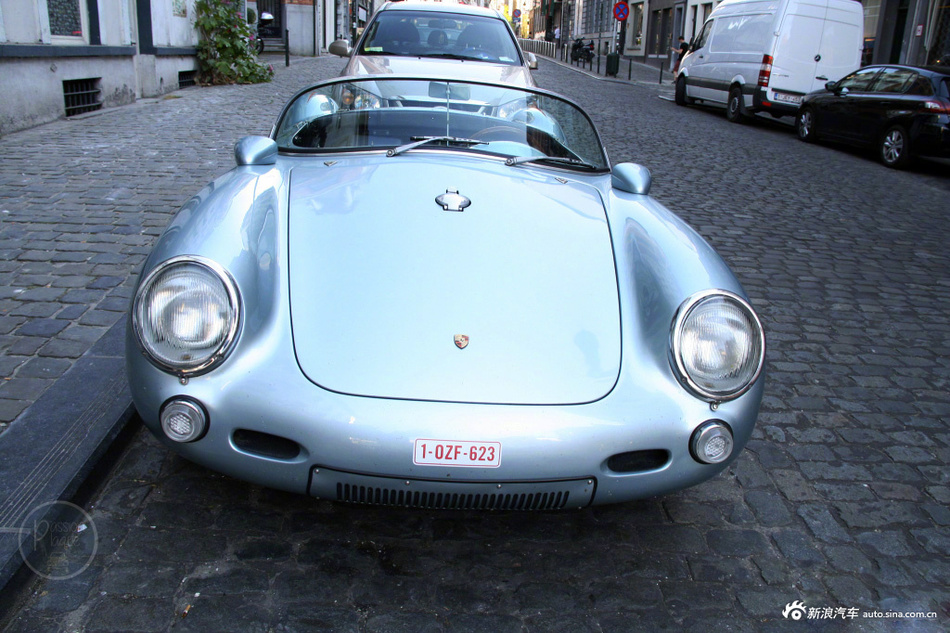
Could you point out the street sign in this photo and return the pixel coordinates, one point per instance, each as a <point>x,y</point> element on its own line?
<point>517,13</point>
<point>621,11</point>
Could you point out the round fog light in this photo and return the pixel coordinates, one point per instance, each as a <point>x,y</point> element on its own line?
<point>711,443</point>
<point>183,421</point>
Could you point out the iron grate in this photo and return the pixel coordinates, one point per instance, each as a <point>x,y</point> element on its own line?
<point>82,95</point>
<point>186,78</point>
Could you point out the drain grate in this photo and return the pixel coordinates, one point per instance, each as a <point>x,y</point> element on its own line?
<point>82,95</point>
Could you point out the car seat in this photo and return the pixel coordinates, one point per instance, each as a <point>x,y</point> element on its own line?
<point>437,39</point>
<point>396,37</point>
<point>479,36</point>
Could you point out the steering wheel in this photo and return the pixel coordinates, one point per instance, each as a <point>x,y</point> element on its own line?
<point>501,133</point>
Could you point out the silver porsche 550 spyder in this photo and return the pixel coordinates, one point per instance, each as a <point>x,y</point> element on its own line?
<point>439,294</point>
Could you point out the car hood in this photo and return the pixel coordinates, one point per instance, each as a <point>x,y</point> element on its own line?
<point>429,67</point>
<point>384,283</point>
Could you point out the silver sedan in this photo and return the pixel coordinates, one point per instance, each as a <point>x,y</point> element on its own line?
<point>439,40</point>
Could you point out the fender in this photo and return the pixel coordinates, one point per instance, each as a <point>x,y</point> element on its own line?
<point>234,221</point>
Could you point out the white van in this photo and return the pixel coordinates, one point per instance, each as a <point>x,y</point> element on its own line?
<point>764,55</point>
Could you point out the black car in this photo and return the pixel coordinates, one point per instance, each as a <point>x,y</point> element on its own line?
<point>901,111</point>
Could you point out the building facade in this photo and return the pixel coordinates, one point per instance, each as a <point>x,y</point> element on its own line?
<point>913,32</point>
<point>66,57</point>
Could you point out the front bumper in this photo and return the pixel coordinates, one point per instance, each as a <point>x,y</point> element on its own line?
<point>932,136</point>
<point>307,440</point>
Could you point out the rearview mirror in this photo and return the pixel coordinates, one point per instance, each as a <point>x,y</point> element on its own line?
<point>631,178</point>
<point>340,48</point>
<point>532,61</point>
<point>443,90</point>
<point>830,86</point>
<point>255,150</point>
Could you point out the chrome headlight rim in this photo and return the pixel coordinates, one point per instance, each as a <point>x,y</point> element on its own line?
<point>234,302</point>
<point>676,347</point>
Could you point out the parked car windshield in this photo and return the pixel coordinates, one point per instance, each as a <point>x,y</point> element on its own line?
<point>435,34</point>
<point>389,113</point>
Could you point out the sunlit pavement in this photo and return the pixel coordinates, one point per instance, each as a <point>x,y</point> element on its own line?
<point>836,512</point>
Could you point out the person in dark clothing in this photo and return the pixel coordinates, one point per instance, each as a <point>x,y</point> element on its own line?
<point>682,50</point>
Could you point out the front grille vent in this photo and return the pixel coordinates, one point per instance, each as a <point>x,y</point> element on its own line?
<point>451,494</point>
<point>186,78</point>
<point>450,501</point>
<point>82,95</point>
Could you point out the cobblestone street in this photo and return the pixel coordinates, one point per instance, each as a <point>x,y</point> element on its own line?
<point>841,501</point>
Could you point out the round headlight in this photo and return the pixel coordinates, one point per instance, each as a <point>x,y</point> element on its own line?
<point>717,344</point>
<point>186,315</point>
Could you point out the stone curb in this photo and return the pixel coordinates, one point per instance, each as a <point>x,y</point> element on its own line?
<point>53,447</point>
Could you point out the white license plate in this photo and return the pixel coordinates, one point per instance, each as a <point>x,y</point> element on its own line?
<point>429,452</point>
<point>781,96</point>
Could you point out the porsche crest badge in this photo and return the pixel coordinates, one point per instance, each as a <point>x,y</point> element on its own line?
<point>461,341</point>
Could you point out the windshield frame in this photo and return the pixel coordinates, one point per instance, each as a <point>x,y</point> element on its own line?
<point>593,154</point>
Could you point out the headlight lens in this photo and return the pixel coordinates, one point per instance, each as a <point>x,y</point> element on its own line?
<point>717,344</point>
<point>186,315</point>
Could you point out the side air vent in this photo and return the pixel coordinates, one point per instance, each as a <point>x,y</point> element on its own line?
<point>82,95</point>
<point>638,461</point>
<point>336,485</point>
<point>265,445</point>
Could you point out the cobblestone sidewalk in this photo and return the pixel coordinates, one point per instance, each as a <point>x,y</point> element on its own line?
<point>82,200</point>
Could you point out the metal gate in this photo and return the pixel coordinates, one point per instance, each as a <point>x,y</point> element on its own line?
<point>276,9</point>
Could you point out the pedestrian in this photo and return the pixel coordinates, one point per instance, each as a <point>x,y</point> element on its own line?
<point>557,36</point>
<point>681,53</point>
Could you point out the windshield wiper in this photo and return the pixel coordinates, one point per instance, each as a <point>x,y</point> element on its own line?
<point>422,140</point>
<point>470,58</point>
<point>572,162</point>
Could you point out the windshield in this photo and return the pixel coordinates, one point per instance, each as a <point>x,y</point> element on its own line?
<point>433,34</point>
<point>395,114</point>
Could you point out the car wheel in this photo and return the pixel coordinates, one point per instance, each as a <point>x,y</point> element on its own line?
<point>259,45</point>
<point>680,95</point>
<point>734,106</point>
<point>895,147</point>
<point>805,125</point>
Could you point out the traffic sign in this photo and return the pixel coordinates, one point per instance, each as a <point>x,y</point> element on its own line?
<point>517,13</point>
<point>621,11</point>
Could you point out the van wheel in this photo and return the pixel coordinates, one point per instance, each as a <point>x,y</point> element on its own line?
<point>895,147</point>
<point>734,107</point>
<point>805,125</point>
<point>680,96</point>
